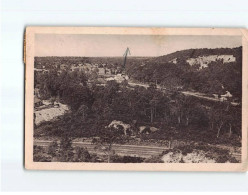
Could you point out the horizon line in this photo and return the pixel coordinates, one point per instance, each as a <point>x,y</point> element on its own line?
<point>145,56</point>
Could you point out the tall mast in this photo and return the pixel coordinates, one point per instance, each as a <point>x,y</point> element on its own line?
<point>125,57</point>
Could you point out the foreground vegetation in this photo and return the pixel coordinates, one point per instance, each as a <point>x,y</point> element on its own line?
<point>63,151</point>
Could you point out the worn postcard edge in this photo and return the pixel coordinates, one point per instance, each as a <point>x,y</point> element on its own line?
<point>28,59</point>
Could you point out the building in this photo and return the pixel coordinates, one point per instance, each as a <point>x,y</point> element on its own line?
<point>63,66</point>
<point>101,71</point>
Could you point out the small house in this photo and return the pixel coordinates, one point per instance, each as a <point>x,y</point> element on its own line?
<point>63,66</point>
<point>101,71</point>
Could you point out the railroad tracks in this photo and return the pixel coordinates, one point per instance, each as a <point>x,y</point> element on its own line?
<point>128,150</point>
<point>124,150</point>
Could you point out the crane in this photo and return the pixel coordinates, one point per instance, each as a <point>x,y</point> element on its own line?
<point>125,57</point>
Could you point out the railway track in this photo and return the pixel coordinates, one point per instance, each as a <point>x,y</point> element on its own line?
<point>124,150</point>
<point>130,150</point>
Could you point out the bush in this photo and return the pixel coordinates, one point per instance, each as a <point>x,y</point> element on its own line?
<point>126,159</point>
<point>39,155</point>
<point>82,155</point>
<point>185,149</point>
<point>154,159</point>
<point>41,158</point>
<point>53,148</point>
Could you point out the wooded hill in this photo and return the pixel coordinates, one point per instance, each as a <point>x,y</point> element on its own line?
<point>218,77</point>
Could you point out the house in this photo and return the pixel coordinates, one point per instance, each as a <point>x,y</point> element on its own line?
<point>107,71</point>
<point>74,68</point>
<point>121,77</point>
<point>101,71</point>
<point>63,66</point>
<point>87,64</point>
<point>113,71</point>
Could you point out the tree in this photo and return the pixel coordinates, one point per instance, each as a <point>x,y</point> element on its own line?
<point>171,83</point>
<point>107,138</point>
<point>110,91</point>
<point>221,116</point>
<point>65,153</point>
<point>189,106</point>
<point>176,107</point>
<point>76,95</point>
<point>153,108</point>
<point>83,111</point>
<point>82,155</point>
<point>211,116</point>
<point>52,148</point>
<point>52,100</point>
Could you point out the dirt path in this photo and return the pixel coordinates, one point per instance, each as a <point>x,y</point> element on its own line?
<point>203,96</point>
<point>189,93</point>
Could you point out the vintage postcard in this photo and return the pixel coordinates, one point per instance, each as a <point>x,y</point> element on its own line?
<point>136,99</point>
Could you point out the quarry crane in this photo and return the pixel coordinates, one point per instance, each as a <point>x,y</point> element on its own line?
<point>125,57</point>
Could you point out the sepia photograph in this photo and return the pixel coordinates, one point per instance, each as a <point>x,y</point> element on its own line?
<point>155,99</point>
<point>134,96</point>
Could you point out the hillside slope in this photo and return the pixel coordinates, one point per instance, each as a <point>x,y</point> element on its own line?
<point>203,70</point>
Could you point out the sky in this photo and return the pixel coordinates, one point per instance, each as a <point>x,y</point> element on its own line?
<point>115,45</point>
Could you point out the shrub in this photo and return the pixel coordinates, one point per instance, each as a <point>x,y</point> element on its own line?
<point>39,155</point>
<point>82,155</point>
<point>41,158</point>
<point>52,148</point>
<point>154,159</point>
<point>126,159</point>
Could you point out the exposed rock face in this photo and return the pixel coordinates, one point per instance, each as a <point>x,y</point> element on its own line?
<point>194,157</point>
<point>115,124</point>
<point>174,61</point>
<point>203,61</point>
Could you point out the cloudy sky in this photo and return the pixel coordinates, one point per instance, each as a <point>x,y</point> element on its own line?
<point>115,45</point>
